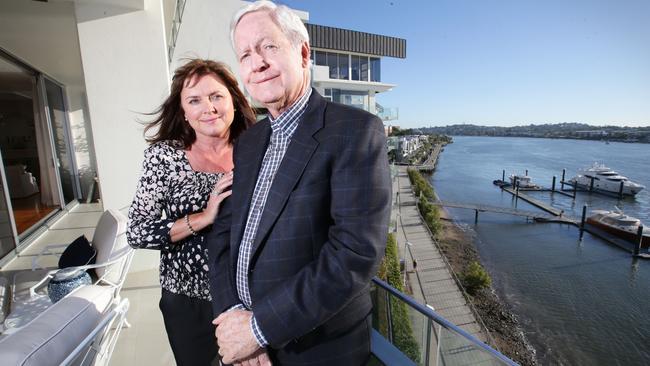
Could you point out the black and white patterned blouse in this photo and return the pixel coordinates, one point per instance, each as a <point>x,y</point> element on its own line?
<point>168,190</point>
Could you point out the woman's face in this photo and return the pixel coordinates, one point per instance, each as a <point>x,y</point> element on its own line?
<point>208,106</point>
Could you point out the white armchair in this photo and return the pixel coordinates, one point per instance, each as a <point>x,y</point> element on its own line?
<point>29,296</point>
<point>80,329</point>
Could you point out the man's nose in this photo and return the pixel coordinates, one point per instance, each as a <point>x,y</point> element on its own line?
<point>258,62</point>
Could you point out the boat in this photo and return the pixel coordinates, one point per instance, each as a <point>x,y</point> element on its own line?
<point>619,224</point>
<point>605,179</point>
<point>524,181</point>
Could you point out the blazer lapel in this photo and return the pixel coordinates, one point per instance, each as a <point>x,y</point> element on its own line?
<point>251,150</point>
<point>298,154</point>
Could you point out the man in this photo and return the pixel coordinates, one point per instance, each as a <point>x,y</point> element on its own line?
<point>296,245</point>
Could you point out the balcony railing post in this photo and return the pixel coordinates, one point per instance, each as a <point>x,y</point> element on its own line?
<point>427,345</point>
<point>390,317</point>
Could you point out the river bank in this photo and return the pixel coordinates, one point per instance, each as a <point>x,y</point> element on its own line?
<point>459,249</point>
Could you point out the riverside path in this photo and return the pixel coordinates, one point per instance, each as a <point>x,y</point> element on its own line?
<point>432,282</point>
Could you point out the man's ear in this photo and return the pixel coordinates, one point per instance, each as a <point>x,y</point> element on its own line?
<point>305,54</point>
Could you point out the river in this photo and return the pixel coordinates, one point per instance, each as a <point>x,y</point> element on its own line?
<point>580,302</point>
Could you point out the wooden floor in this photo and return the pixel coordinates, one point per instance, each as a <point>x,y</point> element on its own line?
<point>28,211</point>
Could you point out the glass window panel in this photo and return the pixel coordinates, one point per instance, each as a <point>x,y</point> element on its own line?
<point>56,111</point>
<point>375,69</point>
<point>364,68</point>
<point>355,67</point>
<point>344,65</point>
<point>336,95</point>
<point>332,62</point>
<point>321,58</point>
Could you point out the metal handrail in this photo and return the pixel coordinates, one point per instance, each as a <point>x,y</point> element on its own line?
<point>430,314</point>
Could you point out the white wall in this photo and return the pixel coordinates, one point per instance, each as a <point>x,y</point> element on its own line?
<point>126,71</point>
<point>205,32</point>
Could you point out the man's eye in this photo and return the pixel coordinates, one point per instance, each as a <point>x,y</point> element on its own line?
<point>270,47</point>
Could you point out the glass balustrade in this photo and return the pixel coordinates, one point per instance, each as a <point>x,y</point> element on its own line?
<point>408,333</point>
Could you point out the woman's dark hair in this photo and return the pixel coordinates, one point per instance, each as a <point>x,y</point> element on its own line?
<point>171,117</point>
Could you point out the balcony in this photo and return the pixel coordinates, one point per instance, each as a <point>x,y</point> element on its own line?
<point>387,114</point>
<point>406,332</point>
<point>426,339</point>
<point>321,79</point>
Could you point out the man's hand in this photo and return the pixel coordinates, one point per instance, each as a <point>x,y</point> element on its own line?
<point>235,336</point>
<point>260,357</point>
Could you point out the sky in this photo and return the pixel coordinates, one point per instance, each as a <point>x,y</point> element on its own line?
<point>507,62</point>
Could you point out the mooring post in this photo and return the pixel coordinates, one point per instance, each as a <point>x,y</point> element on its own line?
<point>639,240</point>
<point>582,221</point>
<point>620,191</point>
<point>591,184</point>
<point>526,172</point>
<point>575,188</point>
<point>553,185</point>
<point>516,191</point>
<point>503,175</point>
<point>562,181</point>
<point>475,217</point>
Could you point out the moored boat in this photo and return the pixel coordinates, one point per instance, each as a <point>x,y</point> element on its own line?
<point>600,177</point>
<point>619,224</point>
<point>524,181</point>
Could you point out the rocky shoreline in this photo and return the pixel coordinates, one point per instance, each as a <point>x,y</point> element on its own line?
<point>459,249</point>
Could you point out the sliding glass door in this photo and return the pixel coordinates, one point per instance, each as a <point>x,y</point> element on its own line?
<point>58,124</point>
<point>38,174</point>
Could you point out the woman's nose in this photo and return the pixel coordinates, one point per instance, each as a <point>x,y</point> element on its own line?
<point>210,107</point>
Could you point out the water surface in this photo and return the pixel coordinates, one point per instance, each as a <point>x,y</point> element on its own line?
<point>580,302</point>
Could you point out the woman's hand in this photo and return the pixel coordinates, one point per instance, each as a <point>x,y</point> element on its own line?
<point>180,230</point>
<point>221,190</point>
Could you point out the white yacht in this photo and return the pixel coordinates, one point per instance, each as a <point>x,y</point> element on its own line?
<point>524,181</point>
<point>619,224</point>
<point>605,179</point>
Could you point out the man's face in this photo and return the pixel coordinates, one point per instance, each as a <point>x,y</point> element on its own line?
<point>273,71</point>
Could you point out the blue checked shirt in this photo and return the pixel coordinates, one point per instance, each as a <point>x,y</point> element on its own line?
<point>282,129</point>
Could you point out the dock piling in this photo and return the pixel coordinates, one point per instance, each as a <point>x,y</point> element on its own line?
<point>575,188</point>
<point>503,175</point>
<point>526,172</point>
<point>639,237</point>
<point>591,184</point>
<point>475,217</point>
<point>582,221</point>
<point>562,181</point>
<point>553,185</point>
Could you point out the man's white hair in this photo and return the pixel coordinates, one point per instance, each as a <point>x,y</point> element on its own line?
<point>289,23</point>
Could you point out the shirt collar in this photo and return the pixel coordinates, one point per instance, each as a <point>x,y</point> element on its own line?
<point>287,122</point>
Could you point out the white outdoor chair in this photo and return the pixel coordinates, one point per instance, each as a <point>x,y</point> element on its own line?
<point>29,296</point>
<point>80,329</point>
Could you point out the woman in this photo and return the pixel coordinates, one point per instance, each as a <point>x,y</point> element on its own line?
<point>187,173</point>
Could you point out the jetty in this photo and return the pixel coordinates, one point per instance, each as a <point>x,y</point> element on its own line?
<point>430,163</point>
<point>554,215</point>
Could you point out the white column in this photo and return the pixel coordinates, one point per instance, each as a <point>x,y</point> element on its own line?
<point>125,65</point>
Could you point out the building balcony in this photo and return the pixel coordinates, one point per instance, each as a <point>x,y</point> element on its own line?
<point>321,79</point>
<point>433,340</point>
